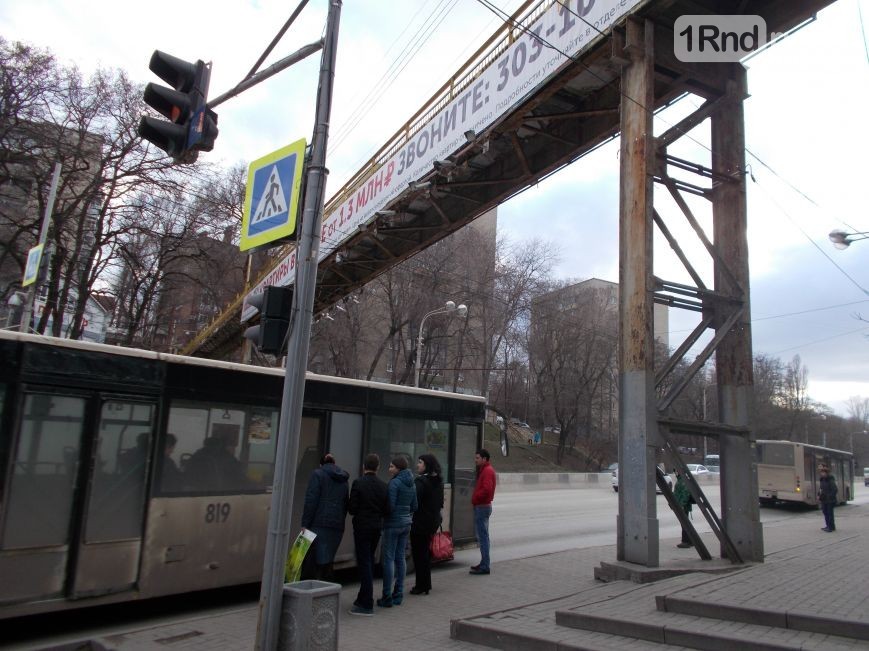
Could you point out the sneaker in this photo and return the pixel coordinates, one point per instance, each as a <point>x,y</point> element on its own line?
<point>359,610</point>
<point>475,567</point>
<point>826,529</point>
<point>684,545</point>
<point>478,570</point>
<point>385,602</point>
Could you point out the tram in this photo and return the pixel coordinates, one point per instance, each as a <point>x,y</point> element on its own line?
<point>127,474</point>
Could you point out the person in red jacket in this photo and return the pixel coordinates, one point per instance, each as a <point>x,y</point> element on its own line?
<point>484,493</point>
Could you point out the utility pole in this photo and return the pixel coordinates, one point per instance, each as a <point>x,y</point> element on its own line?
<point>27,314</point>
<point>278,541</point>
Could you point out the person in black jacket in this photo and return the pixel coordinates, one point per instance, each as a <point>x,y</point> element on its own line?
<point>368,506</point>
<point>426,519</point>
<point>326,502</point>
<point>828,496</point>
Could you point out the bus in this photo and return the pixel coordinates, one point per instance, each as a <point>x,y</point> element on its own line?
<point>788,472</point>
<point>127,474</point>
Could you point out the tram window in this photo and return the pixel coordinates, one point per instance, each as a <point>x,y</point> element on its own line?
<point>218,448</point>
<point>44,474</point>
<point>117,491</point>
<point>391,436</point>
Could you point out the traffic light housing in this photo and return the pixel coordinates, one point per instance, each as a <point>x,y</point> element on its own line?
<point>192,126</point>
<point>274,305</point>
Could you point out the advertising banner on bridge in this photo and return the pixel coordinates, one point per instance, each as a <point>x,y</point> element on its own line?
<point>564,30</point>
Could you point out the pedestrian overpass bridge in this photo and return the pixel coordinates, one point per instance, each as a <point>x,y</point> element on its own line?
<point>556,81</point>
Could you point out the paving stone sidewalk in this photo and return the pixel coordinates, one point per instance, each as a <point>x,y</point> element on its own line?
<point>804,567</point>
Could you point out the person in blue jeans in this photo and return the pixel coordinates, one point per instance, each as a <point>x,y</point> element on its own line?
<point>396,529</point>
<point>484,493</point>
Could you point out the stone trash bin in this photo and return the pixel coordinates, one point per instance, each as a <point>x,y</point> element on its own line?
<point>309,616</point>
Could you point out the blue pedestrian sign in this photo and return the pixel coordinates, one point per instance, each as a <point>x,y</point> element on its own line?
<point>31,270</point>
<point>272,196</point>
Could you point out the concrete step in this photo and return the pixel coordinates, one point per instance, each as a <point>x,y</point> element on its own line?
<point>637,616</point>
<point>781,618</point>
<point>623,571</point>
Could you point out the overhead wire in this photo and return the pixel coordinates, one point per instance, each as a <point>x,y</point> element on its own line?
<point>427,30</point>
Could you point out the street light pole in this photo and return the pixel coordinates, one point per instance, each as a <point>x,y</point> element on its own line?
<point>449,307</point>
<point>851,436</point>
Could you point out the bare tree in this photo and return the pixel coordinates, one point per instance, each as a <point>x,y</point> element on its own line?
<point>858,410</point>
<point>573,344</point>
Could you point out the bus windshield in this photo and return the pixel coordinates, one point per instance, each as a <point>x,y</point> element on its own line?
<point>712,462</point>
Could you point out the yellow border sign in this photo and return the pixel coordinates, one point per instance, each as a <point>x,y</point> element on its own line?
<point>31,271</point>
<point>271,198</point>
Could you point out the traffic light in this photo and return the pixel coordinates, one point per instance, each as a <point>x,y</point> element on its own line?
<point>274,306</point>
<point>192,126</point>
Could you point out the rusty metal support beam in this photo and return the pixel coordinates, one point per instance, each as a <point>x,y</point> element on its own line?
<point>700,360</point>
<point>682,127</point>
<point>721,266</point>
<point>739,504</point>
<point>678,250</point>
<point>520,154</point>
<point>572,115</point>
<point>638,430</point>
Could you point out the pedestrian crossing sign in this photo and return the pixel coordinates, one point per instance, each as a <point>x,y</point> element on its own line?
<point>272,196</point>
<point>31,271</point>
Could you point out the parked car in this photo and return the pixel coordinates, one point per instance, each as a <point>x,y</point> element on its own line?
<point>615,478</point>
<point>697,468</point>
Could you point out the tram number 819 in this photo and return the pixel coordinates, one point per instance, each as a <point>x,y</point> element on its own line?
<point>217,513</point>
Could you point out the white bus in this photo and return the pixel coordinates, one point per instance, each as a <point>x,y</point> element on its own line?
<point>788,472</point>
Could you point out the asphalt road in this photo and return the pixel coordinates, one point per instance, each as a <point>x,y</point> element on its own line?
<point>551,520</point>
<point>523,524</point>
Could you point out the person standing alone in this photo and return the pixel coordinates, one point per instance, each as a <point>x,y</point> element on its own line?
<point>828,496</point>
<point>368,506</point>
<point>484,493</point>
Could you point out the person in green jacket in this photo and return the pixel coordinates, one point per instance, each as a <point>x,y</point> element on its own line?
<point>685,499</point>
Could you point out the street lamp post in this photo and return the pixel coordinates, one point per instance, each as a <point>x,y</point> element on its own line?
<point>851,436</point>
<point>842,240</point>
<point>448,308</point>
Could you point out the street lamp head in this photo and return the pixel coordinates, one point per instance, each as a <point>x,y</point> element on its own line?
<point>462,310</point>
<point>839,239</point>
<point>842,240</point>
<point>450,306</point>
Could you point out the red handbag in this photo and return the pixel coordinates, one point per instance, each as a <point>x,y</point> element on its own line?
<point>441,547</point>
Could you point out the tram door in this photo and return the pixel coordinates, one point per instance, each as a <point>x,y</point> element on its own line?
<point>462,520</point>
<point>41,484</point>
<point>109,541</point>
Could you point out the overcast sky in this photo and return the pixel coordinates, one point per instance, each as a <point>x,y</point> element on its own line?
<point>805,120</point>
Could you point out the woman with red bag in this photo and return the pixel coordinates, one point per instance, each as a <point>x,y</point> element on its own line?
<point>426,519</point>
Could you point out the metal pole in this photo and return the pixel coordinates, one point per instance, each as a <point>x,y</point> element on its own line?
<point>418,352</point>
<point>27,314</point>
<point>638,429</point>
<point>278,541</point>
<point>733,365</point>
